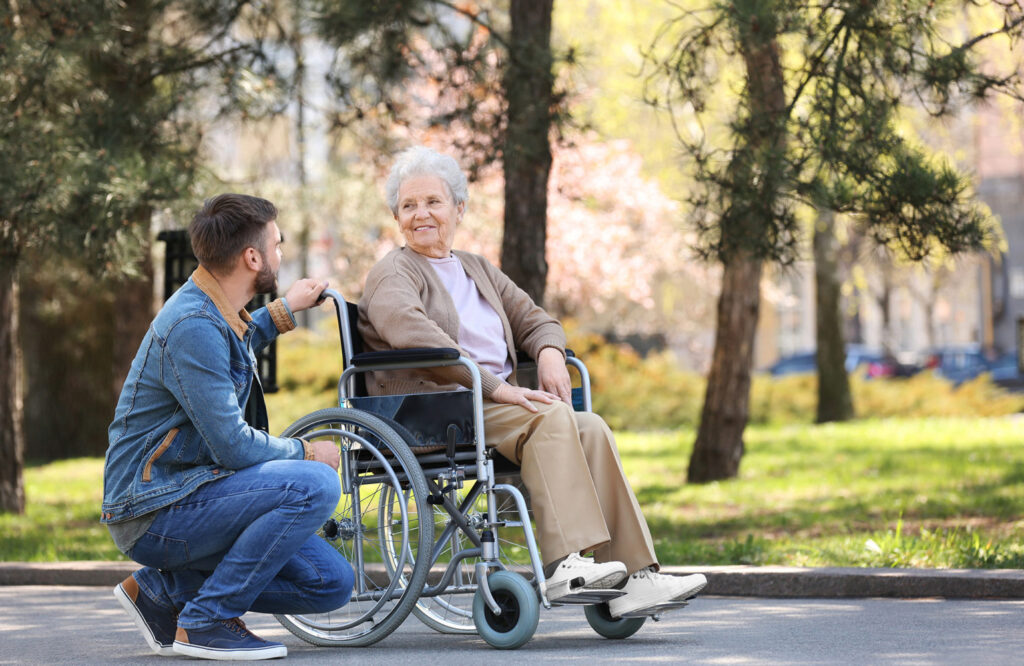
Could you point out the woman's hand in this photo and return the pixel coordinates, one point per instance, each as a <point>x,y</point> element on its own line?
<point>552,375</point>
<point>517,395</point>
<point>304,294</point>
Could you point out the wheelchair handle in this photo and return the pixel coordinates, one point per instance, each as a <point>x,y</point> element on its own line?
<point>344,327</point>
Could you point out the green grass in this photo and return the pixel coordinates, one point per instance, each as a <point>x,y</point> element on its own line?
<point>61,521</point>
<point>943,493</point>
<point>938,493</point>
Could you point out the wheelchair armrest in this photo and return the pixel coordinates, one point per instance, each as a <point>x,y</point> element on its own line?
<point>400,356</point>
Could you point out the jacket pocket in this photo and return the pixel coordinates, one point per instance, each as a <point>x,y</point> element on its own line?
<point>147,471</point>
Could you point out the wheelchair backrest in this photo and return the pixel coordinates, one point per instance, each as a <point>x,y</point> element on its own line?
<point>354,345</point>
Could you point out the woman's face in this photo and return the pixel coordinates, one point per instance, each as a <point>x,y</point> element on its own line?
<point>427,215</point>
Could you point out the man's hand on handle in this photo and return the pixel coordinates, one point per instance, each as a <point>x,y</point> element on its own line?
<point>305,293</point>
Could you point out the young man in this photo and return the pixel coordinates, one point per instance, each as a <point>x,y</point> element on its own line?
<point>221,514</point>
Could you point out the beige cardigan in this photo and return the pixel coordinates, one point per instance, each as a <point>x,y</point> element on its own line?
<point>405,305</point>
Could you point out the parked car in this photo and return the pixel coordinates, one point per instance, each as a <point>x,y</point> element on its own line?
<point>1006,372</point>
<point>794,364</point>
<point>874,362</point>
<point>957,363</point>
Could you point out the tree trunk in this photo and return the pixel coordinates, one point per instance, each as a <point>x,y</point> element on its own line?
<point>12,445</point>
<point>834,400</point>
<point>528,83</point>
<point>299,81</point>
<point>884,300</point>
<point>719,446</point>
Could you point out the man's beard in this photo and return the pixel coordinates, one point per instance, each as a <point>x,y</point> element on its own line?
<point>266,280</point>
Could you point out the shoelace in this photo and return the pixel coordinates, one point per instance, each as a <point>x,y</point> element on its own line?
<point>575,561</point>
<point>647,572</point>
<point>236,625</point>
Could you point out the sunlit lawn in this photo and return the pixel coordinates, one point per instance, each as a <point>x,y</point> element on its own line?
<point>62,518</point>
<point>928,493</point>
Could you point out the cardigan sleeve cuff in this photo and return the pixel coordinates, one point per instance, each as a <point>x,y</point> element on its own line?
<point>281,314</point>
<point>307,450</point>
<point>489,383</point>
<point>556,341</point>
<point>560,348</point>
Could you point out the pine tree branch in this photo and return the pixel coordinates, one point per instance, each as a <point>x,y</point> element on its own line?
<point>1006,28</point>
<point>837,77</point>
<point>812,66</point>
<point>189,65</point>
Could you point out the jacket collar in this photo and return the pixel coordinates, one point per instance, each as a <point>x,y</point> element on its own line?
<point>238,321</point>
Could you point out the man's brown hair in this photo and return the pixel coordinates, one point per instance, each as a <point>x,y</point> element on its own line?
<point>226,225</point>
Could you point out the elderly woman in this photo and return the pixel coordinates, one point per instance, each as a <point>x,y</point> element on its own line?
<point>428,295</point>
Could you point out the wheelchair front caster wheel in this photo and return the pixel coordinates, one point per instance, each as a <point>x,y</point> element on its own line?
<point>602,622</point>
<point>520,611</point>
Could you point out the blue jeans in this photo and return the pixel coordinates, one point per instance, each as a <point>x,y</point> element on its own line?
<point>247,542</point>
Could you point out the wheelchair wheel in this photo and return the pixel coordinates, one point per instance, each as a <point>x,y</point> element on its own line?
<point>383,498</point>
<point>520,611</point>
<point>450,611</point>
<point>601,621</point>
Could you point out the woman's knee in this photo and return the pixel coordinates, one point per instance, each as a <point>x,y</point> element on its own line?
<point>557,415</point>
<point>592,428</point>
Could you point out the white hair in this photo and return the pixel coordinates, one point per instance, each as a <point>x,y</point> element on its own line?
<point>423,161</point>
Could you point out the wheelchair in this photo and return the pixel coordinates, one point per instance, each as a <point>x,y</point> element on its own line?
<point>432,521</point>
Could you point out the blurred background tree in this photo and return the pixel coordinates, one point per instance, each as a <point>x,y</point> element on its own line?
<point>813,126</point>
<point>96,128</point>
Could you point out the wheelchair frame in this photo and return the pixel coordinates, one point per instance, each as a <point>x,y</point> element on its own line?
<point>376,449</point>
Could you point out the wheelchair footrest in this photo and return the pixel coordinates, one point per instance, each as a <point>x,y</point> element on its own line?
<point>657,610</point>
<point>586,597</point>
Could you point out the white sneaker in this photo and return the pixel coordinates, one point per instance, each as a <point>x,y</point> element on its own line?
<point>646,588</point>
<point>576,573</point>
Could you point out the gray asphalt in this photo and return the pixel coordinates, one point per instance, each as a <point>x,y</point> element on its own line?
<point>55,624</point>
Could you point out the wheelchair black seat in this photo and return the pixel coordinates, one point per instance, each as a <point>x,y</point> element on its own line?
<point>427,417</point>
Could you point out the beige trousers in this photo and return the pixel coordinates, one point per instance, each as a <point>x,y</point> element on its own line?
<point>580,497</point>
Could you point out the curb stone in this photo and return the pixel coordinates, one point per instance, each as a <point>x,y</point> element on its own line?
<point>747,581</point>
<point>853,582</point>
<point>65,573</point>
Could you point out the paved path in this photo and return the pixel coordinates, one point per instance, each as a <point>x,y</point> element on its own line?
<point>84,625</point>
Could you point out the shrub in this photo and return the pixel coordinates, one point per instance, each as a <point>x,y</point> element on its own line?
<point>309,359</point>
<point>926,394</point>
<point>653,393</point>
<point>634,393</point>
<point>308,368</point>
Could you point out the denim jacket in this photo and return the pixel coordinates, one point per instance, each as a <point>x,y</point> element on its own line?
<point>180,421</point>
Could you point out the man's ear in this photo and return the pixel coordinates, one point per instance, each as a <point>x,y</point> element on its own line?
<point>252,259</point>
